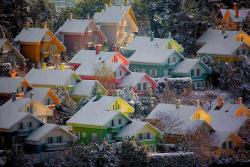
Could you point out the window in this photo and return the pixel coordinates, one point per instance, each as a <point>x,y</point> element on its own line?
<point>224,145</point>
<point>21,126</point>
<point>30,124</point>
<point>174,59</point>
<point>198,72</point>
<point>243,51</point>
<point>148,135</point>
<point>59,139</point>
<point>50,140</point>
<point>119,121</point>
<point>139,86</point>
<point>115,74</point>
<point>238,52</point>
<point>192,72</point>
<point>113,107</point>
<point>49,101</point>
<point>168,60</point>
<point>144,86</point>
<point>120,73</point>
<point>230,144</point>
<point>140,136</point>
<point>112,123</point>
<point>118,106</point>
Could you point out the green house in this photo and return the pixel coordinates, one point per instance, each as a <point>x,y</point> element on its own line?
<point>96,123</point>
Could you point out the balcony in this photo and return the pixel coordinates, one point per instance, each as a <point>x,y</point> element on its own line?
<point>56,146</point>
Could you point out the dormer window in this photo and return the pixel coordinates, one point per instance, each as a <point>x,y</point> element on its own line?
<point>198,72</point>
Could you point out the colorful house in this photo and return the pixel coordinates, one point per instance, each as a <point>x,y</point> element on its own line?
<point>86,89</point>
<point>96,123</point>
<point>15,123</point>
<point>224,46</point>
<point>233,18</point>
<point>144,132</point>
<point>9,54</point>
<point>225,143</point>
<point>118,23</point>
<point>77,34</point>
<point>49,137</point>
<point>39,44</point>
<point>8,85</point>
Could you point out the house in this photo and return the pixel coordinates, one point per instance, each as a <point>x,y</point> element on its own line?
<point>49,137</point>
<point>225,143</point>
<point>77,34</point>
<point>188,118</point>
<point>9,54</point>
<point>233,18</point>
<point>15,123</point>
<point>62,4</point>
<point>39,44</point>
<point>224,46</point>
<point>139,81</point>
<point>8,85</point>
<point>45,96</point>
<point>118,23</point>
<point>86,89</point>
<point>48,78</point>
<point>195,69</point>
<point>96,123</point>
<point>144,42</point>
<point>144,132</point>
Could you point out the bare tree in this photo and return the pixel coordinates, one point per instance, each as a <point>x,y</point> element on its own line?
<point>104,74</point>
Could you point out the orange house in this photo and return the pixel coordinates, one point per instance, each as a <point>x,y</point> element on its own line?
<point>39,44</point>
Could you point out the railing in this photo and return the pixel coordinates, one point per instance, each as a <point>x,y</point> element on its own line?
<point>56,146</point>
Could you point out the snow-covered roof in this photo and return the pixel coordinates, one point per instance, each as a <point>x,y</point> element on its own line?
<point>74,26</point>
<point>133,128</point>
<point>218,137</point>
<point>243,13</point>
<point>39,93</point>
<point>185,66</point>
<point>111,14</point>
<point>152,56</point>
<point>45,129</point>
<point>144,42</point>
<point>31,35</point>
<point>95,113</point>
<point>10,112</point>
<point>213,35</point>
<point>132,79</point>
<point>84,88</point>
<point>9,85</point>
<point>184,113</point>
<point>49,77</point>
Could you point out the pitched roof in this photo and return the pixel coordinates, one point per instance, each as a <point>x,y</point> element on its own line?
<point>43,130</point>
<point>142,43</point>
<point>132,79</point>
<point>10,112</point>
<point>39,93</point>
<point>133,128</point>
<point>95,113</point>
<point>9,85</point>
<point>243,13</point>
<point>74,26</point>
<point>184,113</point>
<point>218,137</point>
<point>31,35</point>
<point>112,14</point>
<point>49,77</point>
<point>84,88</point>
<point>152,56</point>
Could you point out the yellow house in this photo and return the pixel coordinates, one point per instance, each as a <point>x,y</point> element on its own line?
<point>225,143</point>
<point>39,44</point>
<point>113,103</point>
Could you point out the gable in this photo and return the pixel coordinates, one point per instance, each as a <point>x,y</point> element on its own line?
<point>149,128</point>
<point>200,66</point>
<point>200,114</point>
<point>56,41</point>
<point>172,44</point>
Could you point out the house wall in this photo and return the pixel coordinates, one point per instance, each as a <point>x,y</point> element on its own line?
<point>141,82</point>
<point>110,32</point>
<point>200,114</point>
<point>31,52</point>
<point>123,106</point>
<point>74,43</point>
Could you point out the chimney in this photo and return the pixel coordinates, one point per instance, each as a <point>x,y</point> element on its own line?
<point>32,95</point>
<point>122,6</point>
<point>45,24</point>
<point>220,102</point>
<point>13,73</point>
<point>106,7</point>
<point>152,36</point>
<point>13,96</point>
<point>27,25</point>
<point>98,48</point>
<point>236,9</point>
<point>198,103</point>
<point>178,103</point>
<point>70,16</point>
<point>239,100</point>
